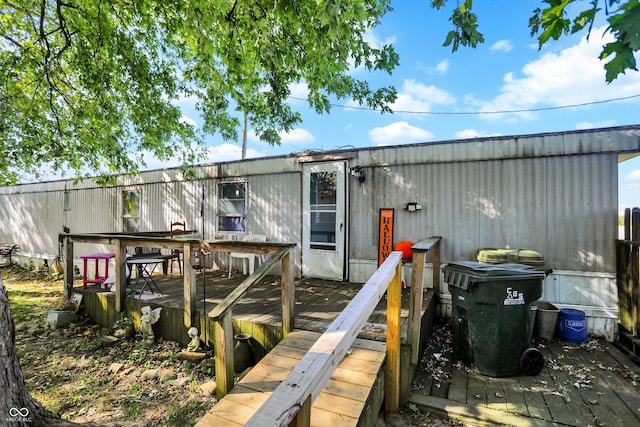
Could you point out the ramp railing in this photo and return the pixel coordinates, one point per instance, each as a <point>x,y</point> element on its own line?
<point>290,403</point>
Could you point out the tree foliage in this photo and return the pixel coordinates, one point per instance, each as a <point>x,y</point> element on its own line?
<point>555,20</point>
<point>92,85</point>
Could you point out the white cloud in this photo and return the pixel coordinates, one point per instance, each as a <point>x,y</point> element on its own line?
<point>502,46</point>
<point>227,152</point>
<point>296,136</point>
<point>189,121</point>
<point>186,100</point>
<point>224,152</point>
<point>633,175</point>
<point>399,133</point>
<point>416,96</point>
<point>440,68</point>
<point>299,90</point>
<point>575,75</point>
<point>594,125</point>
<point>376,42</point>
<point>443,66</point>
<point>472,133</point>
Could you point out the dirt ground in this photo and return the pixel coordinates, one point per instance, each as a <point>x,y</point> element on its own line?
<point>75,375</point>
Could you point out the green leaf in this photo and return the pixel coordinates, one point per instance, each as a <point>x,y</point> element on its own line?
<point>585,18</point>
<point>105,78</point>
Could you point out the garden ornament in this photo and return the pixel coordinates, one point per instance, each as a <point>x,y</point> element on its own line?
<point>148,318</point>
<point>194,344</point>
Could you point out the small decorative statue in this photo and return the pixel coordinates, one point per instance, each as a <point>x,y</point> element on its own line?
<point>148,318</point>
<point>194,344</point>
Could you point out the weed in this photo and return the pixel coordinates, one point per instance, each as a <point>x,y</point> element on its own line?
<point>132,411</point>
<point>138,355</point>
<point>136,389</point>
<point>181,415</point>
<point>415,411</point>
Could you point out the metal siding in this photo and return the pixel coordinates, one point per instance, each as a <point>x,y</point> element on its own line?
<point>545,192</point>
<point>563,207</point>
<point>582,212</point>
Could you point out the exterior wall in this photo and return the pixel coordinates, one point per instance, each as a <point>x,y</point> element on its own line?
<point>563,207</point>
<point>554,193</point>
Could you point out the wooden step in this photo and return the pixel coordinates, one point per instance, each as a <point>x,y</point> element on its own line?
<point>342,401</point>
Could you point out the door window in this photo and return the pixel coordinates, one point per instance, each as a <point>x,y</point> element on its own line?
<point>322,197</point>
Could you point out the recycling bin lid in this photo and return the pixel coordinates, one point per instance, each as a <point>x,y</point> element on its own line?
<point>507,255</point>
<point>462,274</point>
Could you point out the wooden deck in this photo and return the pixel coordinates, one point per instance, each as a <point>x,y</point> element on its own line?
<point>592,384</point>
<point>318,303</point>
<point>354,394</point>
<point>580,385</point>
<point>346,400</point>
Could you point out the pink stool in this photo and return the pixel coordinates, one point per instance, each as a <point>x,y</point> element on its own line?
<point>97,278</point>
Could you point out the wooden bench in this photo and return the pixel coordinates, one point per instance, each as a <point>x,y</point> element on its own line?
<point>5,254</point>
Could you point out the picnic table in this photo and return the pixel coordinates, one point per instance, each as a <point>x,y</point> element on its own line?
<point>6,250</point>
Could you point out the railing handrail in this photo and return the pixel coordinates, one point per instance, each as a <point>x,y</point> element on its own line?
<point>150,240</point>
<point>231,300</point>
<point>308,377</point>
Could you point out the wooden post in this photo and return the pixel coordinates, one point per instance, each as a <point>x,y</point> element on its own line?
<point>303,417</point>
<point>635,224</point>
<point>189,285</point>
<point>635,283</point>
<point>288,293</point>
<point>415,303</point>
<point>223,337</point>
<point>392,364</point>
<point>627,224</point>
<point>121,274</point>
<point>435,262</point>
<point>68,267</point>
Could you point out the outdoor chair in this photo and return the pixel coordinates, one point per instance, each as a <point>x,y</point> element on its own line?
<point>177,229</point>
<point>250,258</point>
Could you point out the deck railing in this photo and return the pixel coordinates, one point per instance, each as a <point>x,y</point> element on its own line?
<point>628,281</point>
<point>416,296</point>
<point>189,246</point>
<point>222,317</point>
<point>290,403</point>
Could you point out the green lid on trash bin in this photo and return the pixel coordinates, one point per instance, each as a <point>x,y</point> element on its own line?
<point>504,255</point>
<point>462,274</point>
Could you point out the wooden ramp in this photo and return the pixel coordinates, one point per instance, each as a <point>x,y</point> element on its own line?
<point>352,395</point>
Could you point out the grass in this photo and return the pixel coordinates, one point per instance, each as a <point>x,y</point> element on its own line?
<point>68,370</point>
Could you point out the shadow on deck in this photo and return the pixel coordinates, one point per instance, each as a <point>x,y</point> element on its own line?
<point>258,313</point>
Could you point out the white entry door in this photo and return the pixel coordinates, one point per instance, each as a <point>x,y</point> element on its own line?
<point>324,226</point>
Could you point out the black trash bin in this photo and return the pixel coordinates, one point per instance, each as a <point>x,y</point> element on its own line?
<point>491,310</point>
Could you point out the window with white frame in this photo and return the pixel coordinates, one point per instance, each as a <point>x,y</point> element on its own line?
<point>131,211</point>
<point>232,206</point>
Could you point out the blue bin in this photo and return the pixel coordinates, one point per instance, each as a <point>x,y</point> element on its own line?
<point>572,326</point>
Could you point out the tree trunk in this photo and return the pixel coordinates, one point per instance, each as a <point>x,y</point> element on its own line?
<point>17,407</point>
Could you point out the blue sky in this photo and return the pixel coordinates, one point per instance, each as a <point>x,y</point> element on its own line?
<point>506,73</point>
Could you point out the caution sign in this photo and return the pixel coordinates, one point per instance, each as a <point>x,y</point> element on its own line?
<point>385,243</point>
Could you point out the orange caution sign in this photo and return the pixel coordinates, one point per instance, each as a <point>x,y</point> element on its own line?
<point>385,243</point>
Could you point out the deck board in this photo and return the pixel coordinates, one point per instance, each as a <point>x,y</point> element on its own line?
<point>580,385</point>
<point>341,402</point>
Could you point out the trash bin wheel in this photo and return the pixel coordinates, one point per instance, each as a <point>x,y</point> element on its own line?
<point>531,361</point>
